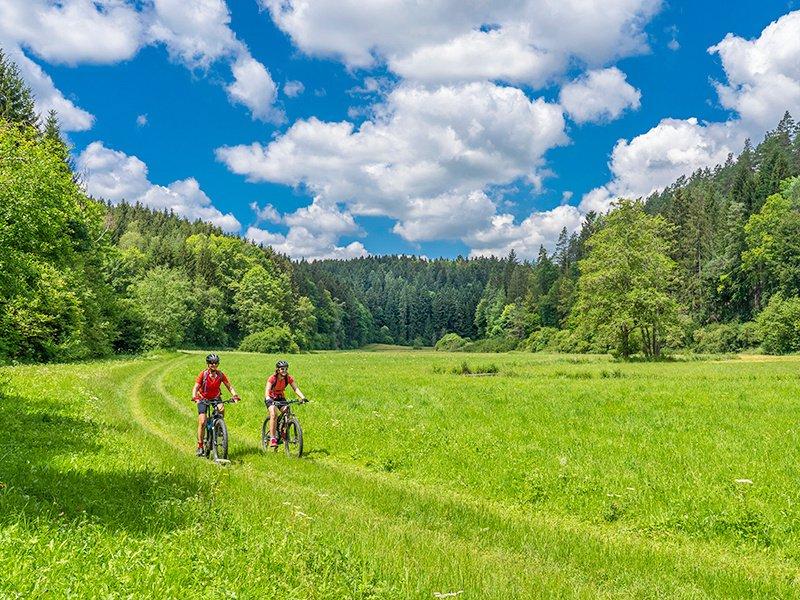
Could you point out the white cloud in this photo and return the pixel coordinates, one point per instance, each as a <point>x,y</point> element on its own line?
<point>425,157</point>
<point>196,34</point>
<point>117,177</point>
<point>293,88</point>
<point>599,95</point>
<point>504,54</point>
<point>655,159</point>
<point>72,31</point>
<point>313,231</point>
<point>539,229</point>
<point>47,97</point>
<point>763,82</point>
<point>253,87</point>
<point>267,213</point>
<point>763,74</point>
<point>447,40</point>
<point>141,120</point>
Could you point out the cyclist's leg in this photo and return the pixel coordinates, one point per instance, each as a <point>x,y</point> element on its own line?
<point>201,421</point>
<point>272,420</point>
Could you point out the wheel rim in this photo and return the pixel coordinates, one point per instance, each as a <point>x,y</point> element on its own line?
<point>220,440</point>
<point>265,434</point>
<point>293,441</point>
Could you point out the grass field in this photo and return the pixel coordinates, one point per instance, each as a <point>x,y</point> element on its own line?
<point>573,477</point>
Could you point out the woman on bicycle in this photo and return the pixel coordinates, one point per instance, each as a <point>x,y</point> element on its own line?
<point>206,387</point>
<point>274,392</point>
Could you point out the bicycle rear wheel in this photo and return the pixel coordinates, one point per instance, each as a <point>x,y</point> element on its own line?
<point>220,446</point>
<point>293,442</point>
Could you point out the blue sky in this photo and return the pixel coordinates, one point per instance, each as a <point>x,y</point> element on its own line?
<point>338,128</point>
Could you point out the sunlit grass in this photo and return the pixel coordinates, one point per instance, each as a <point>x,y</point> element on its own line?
<point>570,476</point>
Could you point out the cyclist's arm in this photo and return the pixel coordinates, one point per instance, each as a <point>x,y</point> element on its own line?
<point>297,391</point>
<point>230,388</point>
<point>195,391</point>
<point>267,389</point>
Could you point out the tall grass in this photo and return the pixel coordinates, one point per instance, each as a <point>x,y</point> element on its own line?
<point>561,476</point>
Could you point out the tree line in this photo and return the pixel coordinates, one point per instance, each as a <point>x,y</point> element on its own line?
<point>712,263</point>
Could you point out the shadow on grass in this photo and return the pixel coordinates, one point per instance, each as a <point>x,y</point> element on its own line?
<point>53,468</point>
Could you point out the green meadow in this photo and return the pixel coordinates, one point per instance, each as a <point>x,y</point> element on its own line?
<point>557,476</point>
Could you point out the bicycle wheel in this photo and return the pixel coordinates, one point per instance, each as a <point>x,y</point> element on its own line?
<point>220,440</point>
<point>265,435</point>
<point>293,442</point>
<point>208,441</point>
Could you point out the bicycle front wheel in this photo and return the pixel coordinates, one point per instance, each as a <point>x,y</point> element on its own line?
<point>293,442</point>
<point>220,440</point>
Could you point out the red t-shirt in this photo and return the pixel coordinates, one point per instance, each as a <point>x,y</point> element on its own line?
<point>213,381</point>
<point>279,385</point>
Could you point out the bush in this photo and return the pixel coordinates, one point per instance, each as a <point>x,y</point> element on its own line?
<point>726,337</point>
<point>492,344</point>
<point>271,340</point>
<point>450,342</point>
<point>779,325</point>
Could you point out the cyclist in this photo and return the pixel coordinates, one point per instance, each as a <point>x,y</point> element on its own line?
<point>206,387</point>
<point>274,392</point>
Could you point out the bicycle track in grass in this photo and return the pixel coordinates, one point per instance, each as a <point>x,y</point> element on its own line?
<point>461,530</point>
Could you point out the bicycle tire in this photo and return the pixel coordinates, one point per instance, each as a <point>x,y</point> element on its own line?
<point>293,442</point>
<point>265,435</point>
<point>208,442</point>
<point>220,446</point>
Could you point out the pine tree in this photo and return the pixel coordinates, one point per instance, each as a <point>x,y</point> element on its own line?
<point>16,100</point>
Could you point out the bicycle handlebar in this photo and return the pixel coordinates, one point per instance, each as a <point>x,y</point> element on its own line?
<point>286,402</point>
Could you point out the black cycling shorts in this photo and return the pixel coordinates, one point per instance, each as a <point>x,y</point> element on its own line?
<point>203,404</point>
<point>270,401</point>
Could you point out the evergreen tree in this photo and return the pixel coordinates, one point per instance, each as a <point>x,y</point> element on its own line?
<point>16,100</point>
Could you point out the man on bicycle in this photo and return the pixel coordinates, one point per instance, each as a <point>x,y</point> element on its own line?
<point>206,388</point>
<point>274,392</point>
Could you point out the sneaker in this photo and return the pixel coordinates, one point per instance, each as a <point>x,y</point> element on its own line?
<point>273,442</point>
<point>200,451</point>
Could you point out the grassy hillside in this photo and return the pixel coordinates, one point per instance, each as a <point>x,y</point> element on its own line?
<point>559,476</point>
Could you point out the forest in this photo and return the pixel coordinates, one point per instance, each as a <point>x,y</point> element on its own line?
<point>711,264</point>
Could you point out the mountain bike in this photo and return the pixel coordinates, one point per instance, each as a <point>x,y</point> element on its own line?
<point>215,437</point>
<point>287,429</point>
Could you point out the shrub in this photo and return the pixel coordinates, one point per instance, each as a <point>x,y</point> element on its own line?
<point>779,325</point>
<point>273,339</point>
<point>726,337</point>
<point>450,342</point>
<point>492,344</point>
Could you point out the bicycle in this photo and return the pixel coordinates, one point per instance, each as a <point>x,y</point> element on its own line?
<point>287,429</point>
<point>215,437</point>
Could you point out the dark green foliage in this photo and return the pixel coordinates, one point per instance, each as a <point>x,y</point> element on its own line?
<point>16,100</point>
<point>779,325</point>
<point>271,340</point>
<point>450,342</point>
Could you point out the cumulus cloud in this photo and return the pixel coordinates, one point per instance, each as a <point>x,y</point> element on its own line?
<point>763,81</point>
<point>425,156</point>
<point>116,177</point>
<point>266,213</point>
<point>313,233</point>
<point>46,96</point>
<point>293,88</point>
<point>599,95</point>
<point>253,87</point>
<point>763,75</point>
<point>655,159</point>
<point>72,32</point>
<point>449,40</point>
